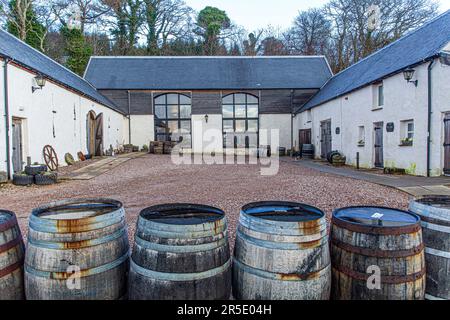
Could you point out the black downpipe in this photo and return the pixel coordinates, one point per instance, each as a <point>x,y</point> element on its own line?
<point>292,122</point>
<point>430,112</point>
<point>129,117</point>
<point>8,147</point>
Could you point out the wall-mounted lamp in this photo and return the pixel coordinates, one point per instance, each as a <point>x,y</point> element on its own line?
<point>206,118</point>
<point>40,82</point>
<point>408,74</point>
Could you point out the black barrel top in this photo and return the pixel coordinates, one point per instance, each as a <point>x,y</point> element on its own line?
<point>182,214</point>
<point>77,209</point>
<point>442,202</point>
<point>376,216</point>
<point>283,211</point>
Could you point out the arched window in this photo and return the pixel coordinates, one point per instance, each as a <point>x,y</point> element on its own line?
<point>240,113</point>
<point>172,117</point>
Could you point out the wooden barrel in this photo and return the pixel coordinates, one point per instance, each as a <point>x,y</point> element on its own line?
<point>434,212</point>
<point>77,250</point>
<point>12,251</point>
<point>377,254</point>
<point>181,252</point>
<point>281,253</point>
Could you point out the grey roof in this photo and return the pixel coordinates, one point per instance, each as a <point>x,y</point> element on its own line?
<point>207,73</point>
<point>26,56</point>
<point>418,46</point>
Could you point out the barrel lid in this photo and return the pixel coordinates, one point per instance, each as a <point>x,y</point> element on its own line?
<point>5,216</point>
<point>380,217</point>
<point>77,209</point>
<point>182,214</point>
<point>442,202</point>
<point>283,211</point>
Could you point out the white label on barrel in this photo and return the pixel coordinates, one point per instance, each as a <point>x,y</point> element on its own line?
<point>377,215</point>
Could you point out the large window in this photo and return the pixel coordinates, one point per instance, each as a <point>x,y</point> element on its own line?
<point>240,113</point>
<point>173,117</point>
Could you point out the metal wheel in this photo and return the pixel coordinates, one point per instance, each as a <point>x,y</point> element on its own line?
<point>50,157</point>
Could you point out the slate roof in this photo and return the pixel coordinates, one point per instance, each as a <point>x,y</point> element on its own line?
<point>418,46</point>
<point>208,73</point>
<point>22,54</point>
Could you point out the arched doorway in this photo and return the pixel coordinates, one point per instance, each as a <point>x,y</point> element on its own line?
<point>94,133</point>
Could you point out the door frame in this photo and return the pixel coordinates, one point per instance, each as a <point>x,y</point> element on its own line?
<point>17,121</point>
<point>379,124</point>
<point>322,123</point>
<point>443,120</point>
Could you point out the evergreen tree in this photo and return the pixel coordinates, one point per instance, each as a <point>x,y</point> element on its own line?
<point>77,50</point>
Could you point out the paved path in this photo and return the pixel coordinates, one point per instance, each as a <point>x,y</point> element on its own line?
<point>102,166</point>
<point>416,186</point>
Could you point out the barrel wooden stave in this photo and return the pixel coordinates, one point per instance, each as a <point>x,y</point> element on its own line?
<point>12,251</point>
<point>436,235</point>
<point>400,257</point>
<point>98,248</point>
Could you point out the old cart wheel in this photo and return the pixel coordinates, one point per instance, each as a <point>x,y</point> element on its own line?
<point>50,157</point>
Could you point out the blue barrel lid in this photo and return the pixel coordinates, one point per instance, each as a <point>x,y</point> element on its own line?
<point>376,216</point>
<point>283,211</point>
<point>182,214</point>
<point>5,216</point>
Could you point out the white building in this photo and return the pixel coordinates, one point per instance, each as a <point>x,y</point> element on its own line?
<point>371,109</point>
<point>67,113</point>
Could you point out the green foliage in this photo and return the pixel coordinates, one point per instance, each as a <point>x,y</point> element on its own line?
<point>31,31</point>
<point>77,50</point>
<point>212,21</point>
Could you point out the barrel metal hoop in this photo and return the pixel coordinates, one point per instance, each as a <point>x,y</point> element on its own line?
<point>10,223</point>
<point>11,244</point>
<point>426,210</point>
<point>185,235</point>
<point>430,297</point>
<point>282,245</point>
<point>180,249</point>
<point>82,274</point>
<point>435,227</point>
<point>11,268</point>
<point>164,276</point>
<point>78,244</point>
<point>439,253</point>
<point>384,279</point>
<point>280,276</point>
<point>377,253</point>
<point>433,220</point>
<point>209,227</point>
<point>387,231</point>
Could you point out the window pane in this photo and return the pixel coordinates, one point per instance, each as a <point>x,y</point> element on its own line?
<point>380,96</point>
<point>186,127</point>
<point>172,112</point>
<point>252,111</point>
<point>240,125</point>
<point>161,128</point>
<point>173,126</point>
<point>160,112</point>
<point>160,99</point>
<point>172,98</point>
<point>411,126</point>
<point>228,99</point>
<point>239,98</point>
<point>252,99</point>
<point>185,112</point>
<point>252,140</point>
<point>252,126</point>
<point>240,111</point>
<point>227,111</point>
<point>228,126</point>
<point>184,99</point>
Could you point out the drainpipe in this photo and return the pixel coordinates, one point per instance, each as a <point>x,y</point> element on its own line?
<point>292,122</point>
<point>8,147</point>
<point>129,116</point>
<point>430,112</point>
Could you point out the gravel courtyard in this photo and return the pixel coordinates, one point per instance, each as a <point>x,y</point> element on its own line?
<point>153,179</point>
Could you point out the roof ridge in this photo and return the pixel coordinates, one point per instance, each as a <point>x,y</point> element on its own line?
<point>210,57</point>
<point>410,33</point>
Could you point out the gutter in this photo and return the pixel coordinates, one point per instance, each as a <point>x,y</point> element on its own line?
<point>8,147</point>
<point>430,112</point>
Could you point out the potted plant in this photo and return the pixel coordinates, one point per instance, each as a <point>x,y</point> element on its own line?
<point>361,143</point>
<point>407,142</point>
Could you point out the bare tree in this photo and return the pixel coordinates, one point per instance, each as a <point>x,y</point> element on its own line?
<point>17,14</point>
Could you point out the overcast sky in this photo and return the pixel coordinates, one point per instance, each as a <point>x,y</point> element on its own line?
<point>254,14</point>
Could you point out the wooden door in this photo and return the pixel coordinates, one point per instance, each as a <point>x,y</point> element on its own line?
<point>99,135</point>
<point>447,144</point>
<point>17,148</point>
<point>326,138</point>
<point>378,146</point>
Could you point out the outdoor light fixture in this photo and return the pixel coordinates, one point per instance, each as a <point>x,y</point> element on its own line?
<point>40,81</point>
<point>408,74</point>
<point>206,118</point>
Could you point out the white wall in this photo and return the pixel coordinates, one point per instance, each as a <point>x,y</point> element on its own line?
<point>207,137</point>
<point>281,122</point>
<point>142,130</point>
<point>36,110</point>
<point>403,101</point>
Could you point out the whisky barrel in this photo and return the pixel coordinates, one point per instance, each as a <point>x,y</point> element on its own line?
<point>12,251</point>
<point>281,253</point>
<point>434,212</point>
<point>181,252</point>
<point>377,254</point>
<point>77,250</point>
